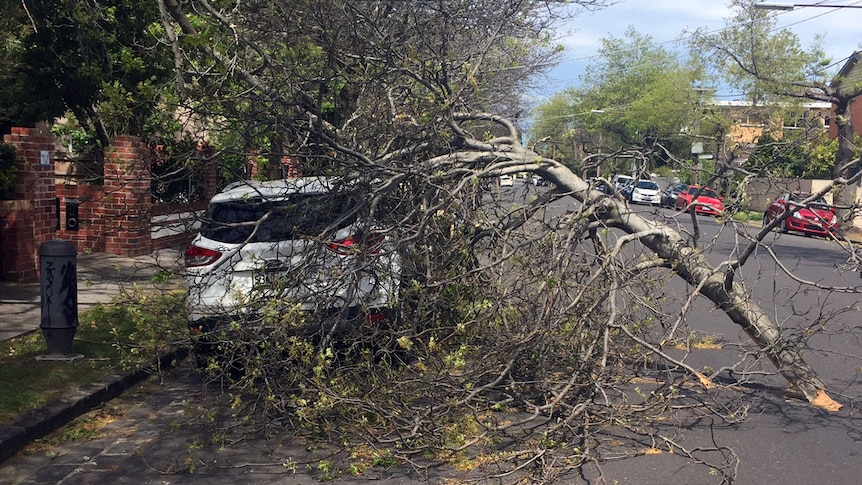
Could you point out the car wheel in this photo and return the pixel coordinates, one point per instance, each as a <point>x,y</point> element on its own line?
<point>766,220</point>
<point>783,226</point>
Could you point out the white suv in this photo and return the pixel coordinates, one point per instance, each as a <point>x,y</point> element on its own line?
<point>306,241</point>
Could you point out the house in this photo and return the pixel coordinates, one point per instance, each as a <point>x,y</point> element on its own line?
<point>848,80</point>
<point>751,121</point>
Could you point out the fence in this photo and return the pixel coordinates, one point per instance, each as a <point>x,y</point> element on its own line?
<point>118,216</point>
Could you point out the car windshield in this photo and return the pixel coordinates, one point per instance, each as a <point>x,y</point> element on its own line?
<point>647,184</point>
<point>258,220</point>
<point>818,203</point>
<point>703,192</point>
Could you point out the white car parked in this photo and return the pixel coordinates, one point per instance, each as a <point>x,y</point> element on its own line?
<point>645,192</point>
<point>306,241</point>
<point>507,181</point>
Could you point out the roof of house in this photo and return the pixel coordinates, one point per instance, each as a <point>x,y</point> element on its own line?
<point>849,71</point>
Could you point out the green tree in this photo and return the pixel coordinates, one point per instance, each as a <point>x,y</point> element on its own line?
<point>637,95</point>
<point>305,77</point>
<point>512,323</point>
<point>8,169</point>
<point>771,66</point>
<point>25,95</point>
<point>99,61</point>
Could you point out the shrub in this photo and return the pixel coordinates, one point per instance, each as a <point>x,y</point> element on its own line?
<point>8,158</point>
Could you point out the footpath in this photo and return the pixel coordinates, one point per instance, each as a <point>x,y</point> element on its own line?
<point>100,278</point>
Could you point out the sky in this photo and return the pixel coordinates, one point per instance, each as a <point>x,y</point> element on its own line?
<point>665,20</point>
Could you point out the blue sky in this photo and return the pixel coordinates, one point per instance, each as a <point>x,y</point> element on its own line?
<point>665,20</point>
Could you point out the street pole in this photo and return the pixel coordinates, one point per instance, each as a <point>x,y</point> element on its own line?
<point>792,6</point>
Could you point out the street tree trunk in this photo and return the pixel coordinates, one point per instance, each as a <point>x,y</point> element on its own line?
<point>690,264</point>
<point>843,157</point>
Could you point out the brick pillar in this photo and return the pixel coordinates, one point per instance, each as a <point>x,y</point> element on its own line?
<point>253,168</point>
<point>31,218</point>
<point>127,197</point>
<point>209,177</point>
<point>290,167</point>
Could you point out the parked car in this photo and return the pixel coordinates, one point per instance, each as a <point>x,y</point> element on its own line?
<point>815,218</point>
<point>539,181</point>
<point>602,186</point>
<point>305,241</point>
<point>643,192</point>
<point>507,181</point>
<point>669,194</point>
<point>621,181</point>
<point>707,202</point>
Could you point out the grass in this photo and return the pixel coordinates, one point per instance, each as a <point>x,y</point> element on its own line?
<point>745,216</point>
<point>127,333</point>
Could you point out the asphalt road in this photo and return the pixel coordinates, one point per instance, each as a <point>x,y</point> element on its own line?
<point>782,441</point>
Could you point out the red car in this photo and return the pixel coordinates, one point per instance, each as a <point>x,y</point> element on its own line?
<point>707,202</point>
<point>814,218</point>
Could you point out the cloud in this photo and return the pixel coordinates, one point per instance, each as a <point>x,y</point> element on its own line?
<point>666,20</point>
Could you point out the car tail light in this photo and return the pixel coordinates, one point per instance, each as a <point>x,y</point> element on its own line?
<point>375,318</point>
<point>356,242</point>
<point>198,256</point>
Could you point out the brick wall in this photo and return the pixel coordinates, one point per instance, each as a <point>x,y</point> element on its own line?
<point>118,217</point>
<point>90,233</point>
<point>31,218</point>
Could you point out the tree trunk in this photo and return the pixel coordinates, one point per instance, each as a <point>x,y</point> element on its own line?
<point>843,156</point>
<point>693,267</point>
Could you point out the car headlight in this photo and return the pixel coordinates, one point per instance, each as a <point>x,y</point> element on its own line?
<point>834,220</point>
<point>798,215</point>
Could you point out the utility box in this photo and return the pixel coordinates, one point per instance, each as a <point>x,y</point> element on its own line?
<point>58,279</point>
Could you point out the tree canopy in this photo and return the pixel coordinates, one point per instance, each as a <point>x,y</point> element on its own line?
<point>637,94</point>
<point>99,61</point>
<point>770,65</point>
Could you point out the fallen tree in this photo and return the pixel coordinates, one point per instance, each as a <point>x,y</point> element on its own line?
<point>509,156</point>
<point>520,337</point>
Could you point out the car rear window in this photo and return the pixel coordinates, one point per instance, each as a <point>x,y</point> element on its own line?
<point>257,220</point>
<point>703,192</point>
<point>818,203</point>
<point>646,184</point>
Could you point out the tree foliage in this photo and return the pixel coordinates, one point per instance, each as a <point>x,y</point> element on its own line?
<point>770,65</point>
<point>98,61</point>
<point>8,169</point>
<point>373,73</point>
<point>637,94</point>
<point>522,330</point>
<point>518,328</point>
